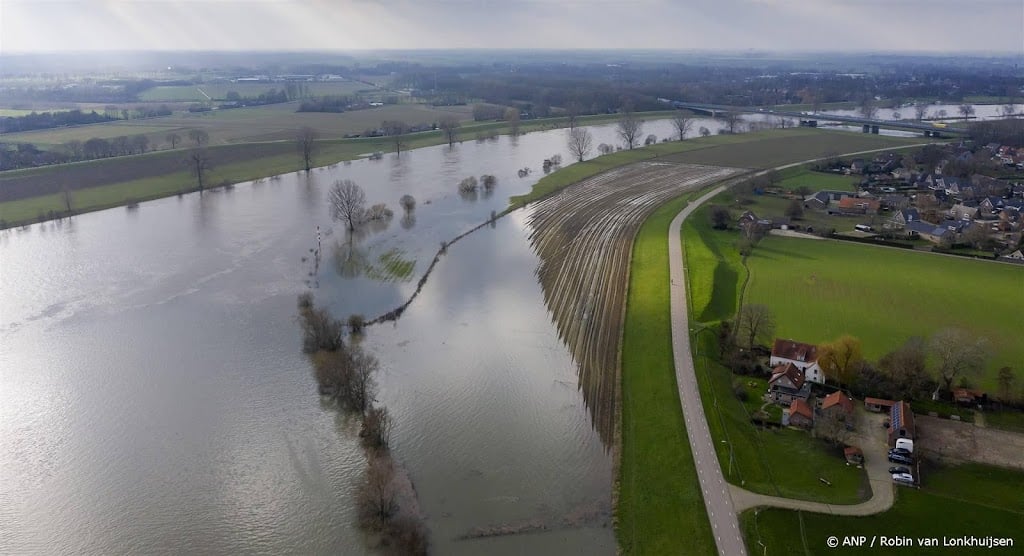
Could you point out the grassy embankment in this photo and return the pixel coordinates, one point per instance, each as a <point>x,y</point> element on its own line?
<point>819,290</point>
<point>660,507</point>
<point>955,501</point>
<point>758,459</point>
<point>101,184</point>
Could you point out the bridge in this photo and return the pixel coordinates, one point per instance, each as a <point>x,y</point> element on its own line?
<point>868,125</point>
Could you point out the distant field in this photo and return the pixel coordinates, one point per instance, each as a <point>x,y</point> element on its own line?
<point>820,290</point>
<point>15,112</point>
<point>794,178</point>
<point>795,146</point>
<point>954,502</point>
<point>219,91</point>
<point>242,125</point>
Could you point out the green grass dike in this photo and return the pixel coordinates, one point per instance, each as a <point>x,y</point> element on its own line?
<point>660,507</point>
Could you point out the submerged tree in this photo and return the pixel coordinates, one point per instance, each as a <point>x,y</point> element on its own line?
<point>306,143</point>
<point>580,140</point>
<point>199,164</point>
<point>629,127</point>
<point>348,203</point>
<point>408,203</point>
<point>682,122</point>
<point>396,131</point>
<point>449,125</point>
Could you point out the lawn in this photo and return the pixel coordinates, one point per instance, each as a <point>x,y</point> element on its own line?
<point>1010,420</point>
<point>955,501</point>
<point>819,290</point>
<point>660,509</point>
<point>801,176</point>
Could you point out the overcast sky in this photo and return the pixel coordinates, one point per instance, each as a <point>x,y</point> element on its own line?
<point>833,25</point>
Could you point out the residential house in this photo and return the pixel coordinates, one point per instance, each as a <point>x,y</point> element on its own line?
<point>960,211</point>
<point>990,205</point>
<point>878,405</point>
<point>905,216</point>
<point>968,397</point>
<point>800,415</point>
<point>894,202</point>
<point>901,422</point>
<point>788,383</point>
<point>930,232</point>
<point>822,199</point>
<point>857,166</point>
<point>837,404</point>
<point>1016,256</point>
<point>803,356</point>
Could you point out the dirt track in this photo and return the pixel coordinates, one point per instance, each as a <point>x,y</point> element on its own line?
<point>584,238</point>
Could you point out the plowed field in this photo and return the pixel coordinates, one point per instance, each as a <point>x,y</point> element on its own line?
<point>584,236</point>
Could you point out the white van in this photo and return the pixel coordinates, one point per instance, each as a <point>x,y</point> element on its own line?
<point>905,443</point>
<point>862,228</point>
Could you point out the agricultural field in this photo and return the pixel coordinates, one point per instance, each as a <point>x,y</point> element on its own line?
<point>794,145</point>
<point>272,122</point>
<point>583,236</point>
<point>820,290</point>
<point>954,501</point>
<point>801,176</point>
<point>219,91</point>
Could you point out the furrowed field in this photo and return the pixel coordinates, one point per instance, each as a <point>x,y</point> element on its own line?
<point>820,290</point>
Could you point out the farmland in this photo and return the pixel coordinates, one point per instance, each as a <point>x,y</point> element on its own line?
<point>583,236</point>
<point>273,122</point>
<point>219,91</point>
<point>820,290</point>
<point>954,501</point>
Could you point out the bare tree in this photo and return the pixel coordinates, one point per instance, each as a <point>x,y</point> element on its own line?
<point>408,203</point>
<point>173,139</point>
<point>449,125</point>
<point>733,119</point>
<point>74,149</point>
<point>199,164</point>
<point>580,142</point>
<point>907,367</point>
<point>966,110</point>
<point>920,111</point>
<point>306,144</point>
<point>362,386</point>
<point>1009,109</point>
<point>348,203</point>
<point>140,144</point>
<point>512,117</point>
<point>755,325</point>
<point>629,127</point>
<point>832,426</point>
<point>705,132</point>
<point>376,429</point>
<point>396,131</point>
<point>572,113</point>
<point>957,354</point>
<point>378,500</point>
<point>682,122</point>
<point>66,196</point>
<point>868,108</point>
<point>199,137</point>
<point>1006,379</point>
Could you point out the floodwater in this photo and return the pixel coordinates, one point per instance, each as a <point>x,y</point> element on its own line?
<point>154,397</point>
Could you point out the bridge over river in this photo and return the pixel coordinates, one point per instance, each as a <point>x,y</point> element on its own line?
<point>869,125</point>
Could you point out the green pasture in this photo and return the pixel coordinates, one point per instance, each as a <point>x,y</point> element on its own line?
<point>819,290</point>
<point>953,502</point>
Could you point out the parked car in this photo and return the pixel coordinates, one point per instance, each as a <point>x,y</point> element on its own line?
<point>899,469</point>
<point>902,451</point>
<point>905,478</point>
<point>901,458</point>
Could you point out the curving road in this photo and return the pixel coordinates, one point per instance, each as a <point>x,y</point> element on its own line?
<point>720,498</point>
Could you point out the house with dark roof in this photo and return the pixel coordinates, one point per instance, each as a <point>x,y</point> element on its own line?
<point>967,396</point>
<point>787,384</point>
<point>901,422</point>
<point>931,232</point>
<point>902,217</point>
<point>961,211</point>
<point>800,415</point>
<point>802,356</point>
